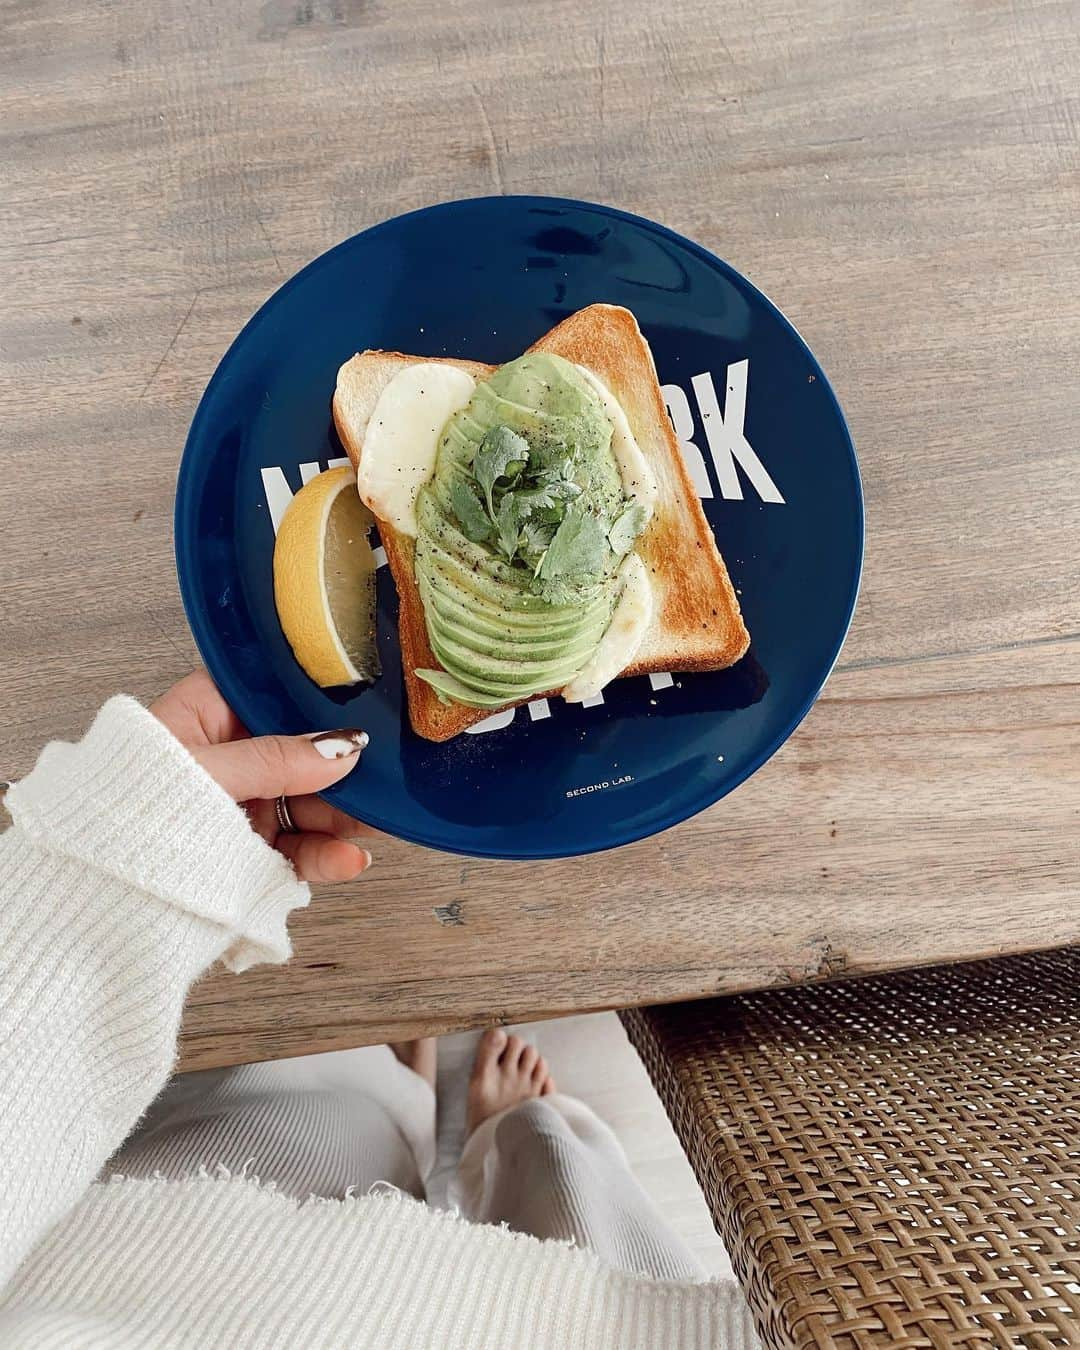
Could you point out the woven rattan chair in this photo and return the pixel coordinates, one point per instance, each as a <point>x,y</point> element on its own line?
<point>891,1161</point>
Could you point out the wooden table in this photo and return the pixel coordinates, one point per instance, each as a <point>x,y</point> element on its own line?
<point>907,188</point>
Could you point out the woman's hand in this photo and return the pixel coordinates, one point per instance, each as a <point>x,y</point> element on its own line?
<point>255,771</point>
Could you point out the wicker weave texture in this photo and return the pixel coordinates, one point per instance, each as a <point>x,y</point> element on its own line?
<point>891,1162</point>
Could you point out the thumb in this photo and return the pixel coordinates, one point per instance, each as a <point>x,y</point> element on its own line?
<point>278,766</point>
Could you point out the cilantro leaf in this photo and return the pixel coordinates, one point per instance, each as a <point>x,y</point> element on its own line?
<point>544,501</point>
<point>549,456</point>
<point>558,478</point>
<point>508,525</point>
<point>534,544</point>
<point>529,500</point>
<point>543,498</point>
<point>628,524</point>
<point>565,489</point>
<point>470,512</point>
<point>579,549</point>
<point>535,537</point>
<point>501,454</point>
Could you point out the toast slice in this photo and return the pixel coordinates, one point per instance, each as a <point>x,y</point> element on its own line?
<point>696,623</point>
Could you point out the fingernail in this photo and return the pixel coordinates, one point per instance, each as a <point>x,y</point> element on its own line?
<point>340,744</point>
<point>368,857</point>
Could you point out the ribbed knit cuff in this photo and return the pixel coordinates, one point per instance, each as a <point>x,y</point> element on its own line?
<point>129,800</point>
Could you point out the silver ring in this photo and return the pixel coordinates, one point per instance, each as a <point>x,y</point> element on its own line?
<point>284,819</point>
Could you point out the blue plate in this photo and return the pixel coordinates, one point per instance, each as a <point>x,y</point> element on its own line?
<point>768,451</point>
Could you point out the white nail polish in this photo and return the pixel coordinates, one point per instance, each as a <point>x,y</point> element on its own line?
<point>339,744</point>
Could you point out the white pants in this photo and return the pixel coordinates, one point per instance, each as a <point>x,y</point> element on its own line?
<point>325,1124</point>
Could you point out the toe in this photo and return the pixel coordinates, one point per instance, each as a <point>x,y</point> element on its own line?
<point>539,1070</point>
<point>512,1053</point>
<point>492,1044</point>
<point>549,1087</point>
<point>530,1057</point>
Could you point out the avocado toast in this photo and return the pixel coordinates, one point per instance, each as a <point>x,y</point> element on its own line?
<point>538,519</point>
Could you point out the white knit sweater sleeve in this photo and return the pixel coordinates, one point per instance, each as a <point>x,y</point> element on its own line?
<point>127,872</point>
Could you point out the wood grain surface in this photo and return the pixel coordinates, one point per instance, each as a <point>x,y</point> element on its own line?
<point>907,187</point>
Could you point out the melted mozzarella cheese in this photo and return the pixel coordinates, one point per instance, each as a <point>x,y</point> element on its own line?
<point>622,637</point>
<point>638,479</point>
<point>401,442</point>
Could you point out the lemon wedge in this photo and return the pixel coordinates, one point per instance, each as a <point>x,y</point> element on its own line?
<point>324,581</point>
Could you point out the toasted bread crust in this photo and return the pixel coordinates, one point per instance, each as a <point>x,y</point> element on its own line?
<point>696,624</point>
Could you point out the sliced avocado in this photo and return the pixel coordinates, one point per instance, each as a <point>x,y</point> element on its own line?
<point>464,653</point>
<point>497,638</point>
<point>452,608</point>
<point>451,690</point>
<point>443,569</point>
<point>509,689</point>
<point>447,577</point>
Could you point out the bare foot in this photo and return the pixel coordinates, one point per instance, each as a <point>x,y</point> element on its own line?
<point>507,1071</point>
<point>420,1056</point>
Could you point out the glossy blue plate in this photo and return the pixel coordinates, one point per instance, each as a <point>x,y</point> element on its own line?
<point>767,447</point>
